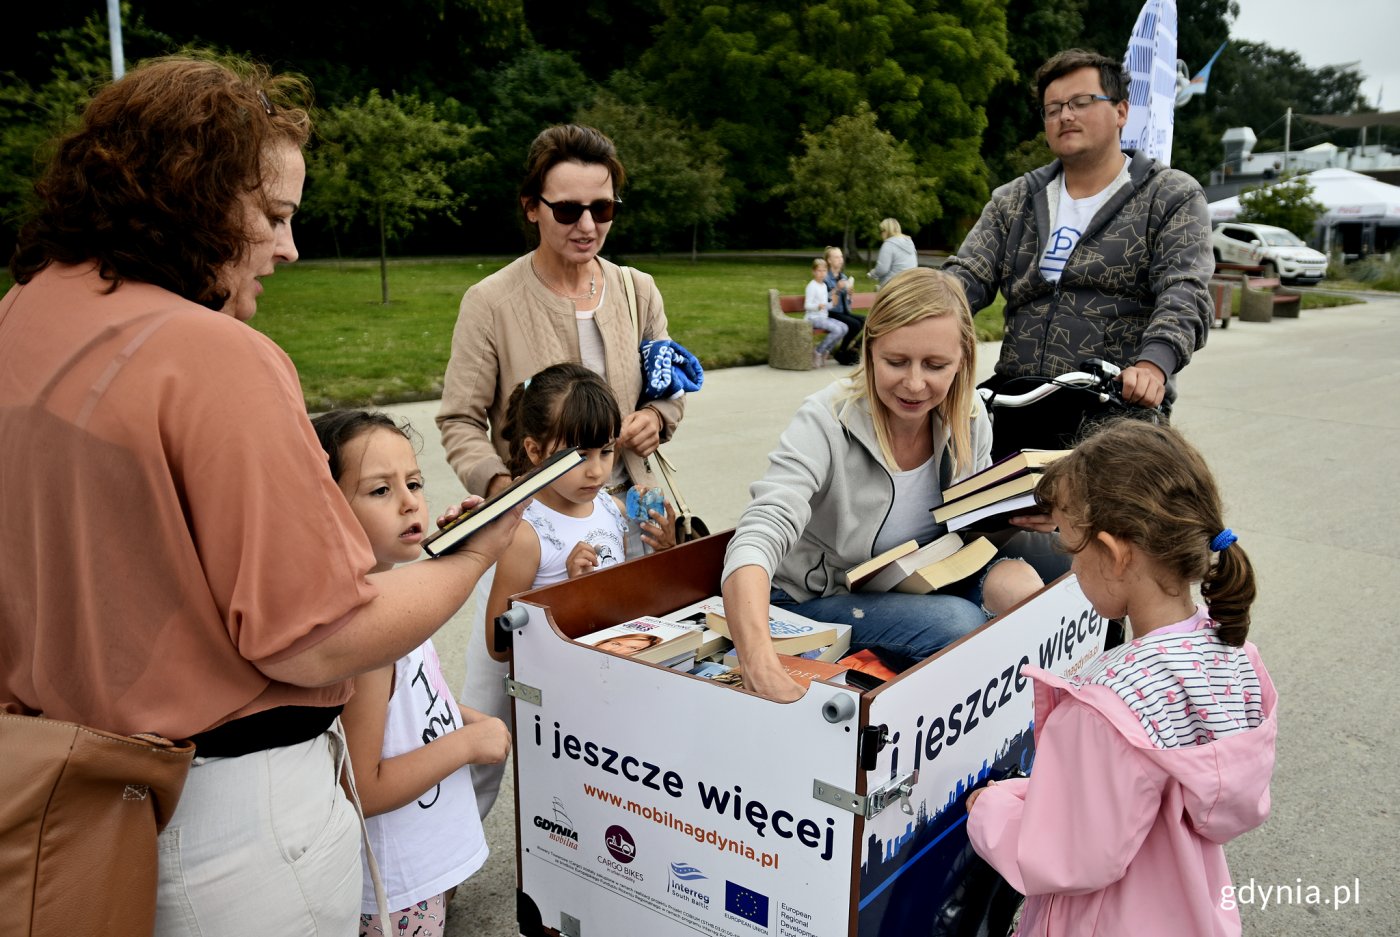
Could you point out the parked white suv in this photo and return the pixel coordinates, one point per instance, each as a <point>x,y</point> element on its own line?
<point>1281,252</point>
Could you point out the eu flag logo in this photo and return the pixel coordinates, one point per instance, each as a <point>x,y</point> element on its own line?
<point>749,905</point>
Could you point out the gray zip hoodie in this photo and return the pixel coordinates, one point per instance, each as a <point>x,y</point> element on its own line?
<point>827,493</point>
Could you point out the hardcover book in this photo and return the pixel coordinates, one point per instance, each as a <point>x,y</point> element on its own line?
<point>1017,463</point>
<point>654,640</point>
<point>955,568</point>
<point>894,573</point>
<point>526,486</point>
<point>1019,487</point>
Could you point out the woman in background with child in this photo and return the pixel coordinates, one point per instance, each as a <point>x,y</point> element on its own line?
<point>841,286</point>
<point>857,472</point>
<point>560,302</point>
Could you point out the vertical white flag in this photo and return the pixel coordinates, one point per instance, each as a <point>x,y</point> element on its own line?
<point>1151,61</point>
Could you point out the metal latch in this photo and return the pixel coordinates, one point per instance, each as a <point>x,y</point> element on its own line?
<point>524,692</point>
<point>871,804</point>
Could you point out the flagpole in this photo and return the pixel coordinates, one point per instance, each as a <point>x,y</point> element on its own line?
<point>114,31</point>
<point>1287,137</point>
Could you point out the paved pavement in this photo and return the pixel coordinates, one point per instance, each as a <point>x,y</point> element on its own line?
<point>1299,420</point>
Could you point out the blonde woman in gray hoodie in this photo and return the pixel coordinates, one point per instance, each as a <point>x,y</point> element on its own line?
<point>858,471</point>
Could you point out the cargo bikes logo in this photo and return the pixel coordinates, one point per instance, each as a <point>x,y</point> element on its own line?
<point>560,829</point>
<point>622,849</point>
<point>684,882</point>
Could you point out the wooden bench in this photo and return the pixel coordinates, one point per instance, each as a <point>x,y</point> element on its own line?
<point>790,337</point>
<point>1263,298</point>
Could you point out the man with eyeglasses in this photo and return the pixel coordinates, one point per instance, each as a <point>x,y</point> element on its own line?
<point>1102,253</point>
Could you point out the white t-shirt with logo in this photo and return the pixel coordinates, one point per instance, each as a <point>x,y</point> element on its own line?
<point>1070,218</point>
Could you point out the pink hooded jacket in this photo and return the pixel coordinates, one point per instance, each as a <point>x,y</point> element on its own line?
<point>1117,835</point>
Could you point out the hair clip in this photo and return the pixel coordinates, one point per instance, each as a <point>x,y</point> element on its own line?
<point>1222,540</point>
<point>266,103</point>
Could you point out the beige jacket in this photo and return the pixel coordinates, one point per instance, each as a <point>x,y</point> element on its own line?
<point>511,326</point>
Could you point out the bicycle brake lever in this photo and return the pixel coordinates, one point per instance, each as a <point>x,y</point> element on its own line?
<point>1100,367</point>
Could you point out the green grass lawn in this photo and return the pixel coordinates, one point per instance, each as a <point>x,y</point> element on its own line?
<point>349,349</point>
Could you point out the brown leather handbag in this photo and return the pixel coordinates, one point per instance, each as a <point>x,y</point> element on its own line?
<point>79,817</point>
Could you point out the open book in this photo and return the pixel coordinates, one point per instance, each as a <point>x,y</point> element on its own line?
<point>901,567</point>
<point>968,560</point>
<point>526,486</point>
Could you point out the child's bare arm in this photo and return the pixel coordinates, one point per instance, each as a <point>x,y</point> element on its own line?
<point>515,572</point>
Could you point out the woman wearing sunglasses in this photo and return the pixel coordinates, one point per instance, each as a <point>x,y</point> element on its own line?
<point>560,302</point>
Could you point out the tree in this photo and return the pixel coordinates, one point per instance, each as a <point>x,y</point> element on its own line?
<point>384,160</point>
<point>676,175</point>
<point>753,74</point>
<point>1288,204</point>
<point>1253,85</point>
<point>1014,141</point>
<point>35,110</point>
<point>852,174</point>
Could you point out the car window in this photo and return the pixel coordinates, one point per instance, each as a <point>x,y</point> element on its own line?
<point>1281,239</point>
<point>1239,234</point>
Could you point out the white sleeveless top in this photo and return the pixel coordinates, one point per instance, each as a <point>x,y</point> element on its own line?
<point>602,529</point>
<point>434,842</point>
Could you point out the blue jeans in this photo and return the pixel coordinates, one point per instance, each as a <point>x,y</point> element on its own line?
<point>908,626</point>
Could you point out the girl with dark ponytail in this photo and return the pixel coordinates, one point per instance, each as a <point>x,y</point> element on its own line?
<point>1159,752</point>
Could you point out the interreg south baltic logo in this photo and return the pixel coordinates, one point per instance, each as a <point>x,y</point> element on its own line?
<point>560,829</point>
<point>683,884</point>
<point>745,904</point>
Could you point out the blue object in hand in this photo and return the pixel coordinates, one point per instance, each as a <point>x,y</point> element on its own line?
<point>669,370</point>
<point>642,501</point>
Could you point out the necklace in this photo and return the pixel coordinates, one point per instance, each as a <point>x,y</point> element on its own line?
<point>592,284</point>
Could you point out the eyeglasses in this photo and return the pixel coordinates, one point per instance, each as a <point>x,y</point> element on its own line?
<point>570,212</point>
<point>1074,105</point>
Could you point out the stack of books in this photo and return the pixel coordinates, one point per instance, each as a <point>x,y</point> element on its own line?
<point>1005,488</point>
<point>920,570</point>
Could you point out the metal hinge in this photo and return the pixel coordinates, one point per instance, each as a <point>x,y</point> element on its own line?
<point>873,803</point>
<point>524,692</point>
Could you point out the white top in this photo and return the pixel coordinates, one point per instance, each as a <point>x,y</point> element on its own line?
<point>818,299</point>
<point>602,529</point>
<point>1070,218</point>
<point>915,495</point>
<point>590,339</point>
<point>434,842</point>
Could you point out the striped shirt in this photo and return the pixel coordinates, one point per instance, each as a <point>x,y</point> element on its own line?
<point>1185,685</point>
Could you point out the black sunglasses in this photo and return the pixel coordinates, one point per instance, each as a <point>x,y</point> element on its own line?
<point>570,212</point>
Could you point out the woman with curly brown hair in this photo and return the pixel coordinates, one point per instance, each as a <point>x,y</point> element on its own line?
<point>177,557</point>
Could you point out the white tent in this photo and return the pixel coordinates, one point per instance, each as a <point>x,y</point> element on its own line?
<point>1349,196</point>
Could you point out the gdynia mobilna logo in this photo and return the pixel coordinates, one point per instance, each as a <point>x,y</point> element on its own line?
<point>561,828</point>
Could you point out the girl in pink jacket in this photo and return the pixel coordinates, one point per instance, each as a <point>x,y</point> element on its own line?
<point>1161,750</point>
